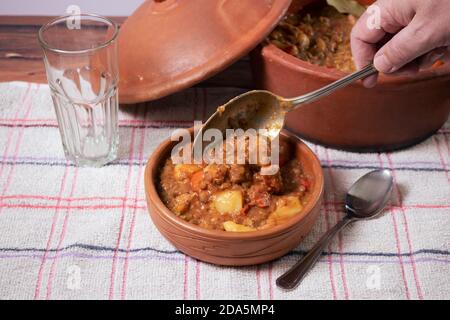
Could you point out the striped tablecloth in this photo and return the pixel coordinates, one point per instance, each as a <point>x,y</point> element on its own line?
<point>74,233</point>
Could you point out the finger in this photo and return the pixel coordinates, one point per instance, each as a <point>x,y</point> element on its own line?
<point>409,70</point>
<point>401,49</point>
<point>364,47</point>
<point>366,37</point>
<point>363,41</point>
<point>363,54</point>
<point>370,81</point>
<point>366,34</point>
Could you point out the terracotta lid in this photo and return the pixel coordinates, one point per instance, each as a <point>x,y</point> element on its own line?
<point>169,45</point>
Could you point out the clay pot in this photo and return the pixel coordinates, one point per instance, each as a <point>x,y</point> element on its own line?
<point>399,112</point>
<point>168,45</point>
<point>230,248</point>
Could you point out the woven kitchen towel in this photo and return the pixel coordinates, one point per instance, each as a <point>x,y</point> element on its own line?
<point>72,233</point>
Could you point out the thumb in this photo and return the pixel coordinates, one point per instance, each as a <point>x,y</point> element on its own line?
<point>410,43</point>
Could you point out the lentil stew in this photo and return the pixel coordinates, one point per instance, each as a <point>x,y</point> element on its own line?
<point>235,197</point>
<point>317,34</point>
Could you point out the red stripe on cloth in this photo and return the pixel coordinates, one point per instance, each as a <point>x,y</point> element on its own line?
<point>270,281</point>
<point>62,235</point>
<point>198,294</point>
<point>185,280</point>
<point>11,130</point>
<point>330,262</point>
<point>327,224</point>
<point>92,207</point>
<point>70,199</point>
<point>397,241</point>
<point>50,236</point>
<point>340,242</point>
<point>133,218</point>
<point>122,214</point>
<point>258,282</point>
<point>441,157</point>
<point>447,144</point>
<point>405,221</point>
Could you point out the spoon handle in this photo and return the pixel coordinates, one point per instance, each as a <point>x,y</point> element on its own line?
<point>313,96</point>
<point>291,278</point>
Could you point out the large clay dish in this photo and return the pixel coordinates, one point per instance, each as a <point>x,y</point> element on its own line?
<point>399,112</point>
<point>169,45</point>
<point>230,248</point>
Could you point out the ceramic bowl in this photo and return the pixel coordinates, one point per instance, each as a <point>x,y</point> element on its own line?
<point>398,112</point>
<point>230,248</point>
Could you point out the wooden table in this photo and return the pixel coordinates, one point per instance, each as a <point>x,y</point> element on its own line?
<point>21,56</point>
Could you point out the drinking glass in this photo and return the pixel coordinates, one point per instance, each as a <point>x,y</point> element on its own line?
<point>80,56</point>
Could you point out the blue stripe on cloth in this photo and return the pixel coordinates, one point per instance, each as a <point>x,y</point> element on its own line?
<point>295,252</point>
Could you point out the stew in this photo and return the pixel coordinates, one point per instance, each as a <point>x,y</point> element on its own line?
<point>319,35</point>
<point>235,197</point>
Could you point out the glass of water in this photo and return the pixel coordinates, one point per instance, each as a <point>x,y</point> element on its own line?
<point>80,55</point>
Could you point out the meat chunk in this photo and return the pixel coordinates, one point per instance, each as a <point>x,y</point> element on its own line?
<point>182,203</point>
<point>271,183</point>
<point>239,173</point>
<point>215,173</point>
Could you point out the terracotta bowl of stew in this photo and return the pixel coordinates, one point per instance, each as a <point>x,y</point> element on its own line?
<point>398,112</point>
<point>235,248</point>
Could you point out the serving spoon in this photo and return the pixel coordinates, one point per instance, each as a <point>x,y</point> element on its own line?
<point>365,200</point>
<point>260,109</point>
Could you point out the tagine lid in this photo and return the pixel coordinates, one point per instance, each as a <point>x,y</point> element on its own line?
<point>169,45</point>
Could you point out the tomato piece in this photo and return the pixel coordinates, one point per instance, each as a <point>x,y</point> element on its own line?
<point>305,183</point>
<point>196,180</point>
<point>262,200</point>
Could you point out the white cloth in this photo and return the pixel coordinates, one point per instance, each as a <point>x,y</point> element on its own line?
<point>72,233</point>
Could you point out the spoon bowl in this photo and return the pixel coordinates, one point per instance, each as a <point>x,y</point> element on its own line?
<point>257,109</point>
<point>261,109</point>
<point>369,195</point>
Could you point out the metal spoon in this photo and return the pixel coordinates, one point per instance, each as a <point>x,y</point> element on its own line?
<point>365,200</point>
<point>261,109</point>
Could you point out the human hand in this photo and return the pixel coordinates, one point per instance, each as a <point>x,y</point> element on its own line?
<point>413,35</point>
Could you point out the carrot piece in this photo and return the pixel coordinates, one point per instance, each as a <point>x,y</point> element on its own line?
<point>366,2</point>
<point>437,64</point>
<point>196,180</point>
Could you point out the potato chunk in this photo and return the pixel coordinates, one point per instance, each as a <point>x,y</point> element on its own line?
<point>183,171</point>
<point>235,227</point>
<point>287,207</point>
<point>228,201</point>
